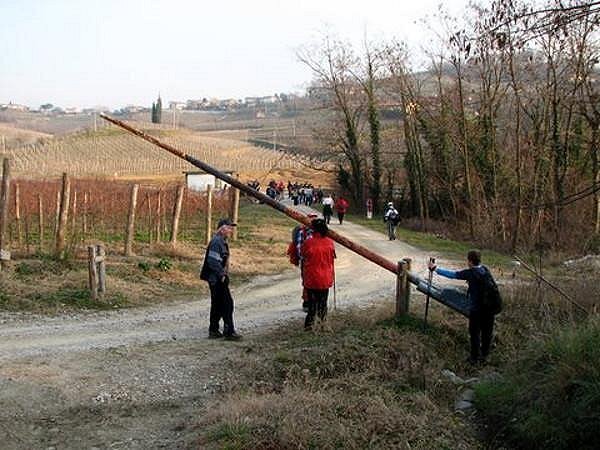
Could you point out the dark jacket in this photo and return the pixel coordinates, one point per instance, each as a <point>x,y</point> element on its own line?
<point>475,287</point>
<point>215,265</point>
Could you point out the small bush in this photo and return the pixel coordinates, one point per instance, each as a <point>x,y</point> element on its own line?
<point>144,266</point>
<point>23,269</point>
<point>593,245</point>
<point>550,397</point>
<point>164,265</point>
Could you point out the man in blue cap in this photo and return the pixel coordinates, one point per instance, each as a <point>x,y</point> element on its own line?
<point>215,271</point>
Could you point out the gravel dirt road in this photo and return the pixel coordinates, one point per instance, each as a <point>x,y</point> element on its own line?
<point>138,379</point>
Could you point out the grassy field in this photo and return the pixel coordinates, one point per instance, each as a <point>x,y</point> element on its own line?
<point>13,136</point>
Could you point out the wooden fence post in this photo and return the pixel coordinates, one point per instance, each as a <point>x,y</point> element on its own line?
<point>62,217</point>
<point>97,271</point>
<point>41,222</point>
<point>208,213</point>
<point>403,288</point>
<point>18,214</point>
<point>4,194</point>
<point>27,247</point>
<point>74,213</point>
<point>93,272</point>
<point>57,213</point>
<point>150,221</point>
<point>177,213</point>
<point>157,224</point>
<point>85,212</point>
<point>131,221</point>
<point>100,260</point>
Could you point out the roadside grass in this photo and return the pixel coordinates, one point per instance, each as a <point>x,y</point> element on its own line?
<point>158,273</point>
<point>547,393</point>
<point>363,381</point>
<point>366,380</point>
<point>449,248</point>
<point>549,396</point>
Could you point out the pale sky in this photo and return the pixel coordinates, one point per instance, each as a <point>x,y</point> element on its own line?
<point>116,52</point>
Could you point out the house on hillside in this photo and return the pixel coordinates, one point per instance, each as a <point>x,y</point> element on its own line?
<point>199,180</point>
<point>266,100</point>
<point>177,105</point>
<point>14,107</point>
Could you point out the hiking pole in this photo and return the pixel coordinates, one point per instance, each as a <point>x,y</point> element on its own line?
<point>334,300</point>
<point>431,260</point>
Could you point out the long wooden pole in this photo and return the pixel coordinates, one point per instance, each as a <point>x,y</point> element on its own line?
<point>296,215</point>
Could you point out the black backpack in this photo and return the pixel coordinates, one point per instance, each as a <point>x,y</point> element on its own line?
<point>491,301</point>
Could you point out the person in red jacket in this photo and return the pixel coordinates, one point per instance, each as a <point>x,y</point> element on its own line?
<point>318,254</point>
<point>341,206</point>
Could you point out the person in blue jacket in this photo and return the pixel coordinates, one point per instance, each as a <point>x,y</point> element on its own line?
<point>481,321</point>
<point>215,271</point>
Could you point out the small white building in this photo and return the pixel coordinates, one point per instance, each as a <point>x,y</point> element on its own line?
<point>199,181</point>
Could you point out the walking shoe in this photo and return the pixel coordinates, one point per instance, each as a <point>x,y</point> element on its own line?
<point>233,337</point>
<point>215,334</point>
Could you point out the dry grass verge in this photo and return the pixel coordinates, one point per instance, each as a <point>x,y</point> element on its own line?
<point>366,382</point>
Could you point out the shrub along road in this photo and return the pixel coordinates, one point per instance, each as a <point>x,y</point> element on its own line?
<point>138,378</point>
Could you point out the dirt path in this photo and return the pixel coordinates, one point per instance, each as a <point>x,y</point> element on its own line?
<point>138,378</point>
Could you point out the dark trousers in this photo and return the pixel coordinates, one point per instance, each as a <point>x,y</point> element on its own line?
<point>481,328</point>
<point>317,305</point>
<point>341,217</point>
<point>221,307</point>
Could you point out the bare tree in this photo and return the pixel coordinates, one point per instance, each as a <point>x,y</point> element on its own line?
<point>332,64</point>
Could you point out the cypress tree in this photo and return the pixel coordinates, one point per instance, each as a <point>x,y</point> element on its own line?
<point>158,110</point>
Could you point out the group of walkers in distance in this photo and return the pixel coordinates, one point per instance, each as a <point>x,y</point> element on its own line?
<point>304,193</point>
<point>340,205</point>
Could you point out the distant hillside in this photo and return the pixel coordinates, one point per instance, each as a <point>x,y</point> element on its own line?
<point>50,124</point>
<point>14,137</point>
<point>110,152</point>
